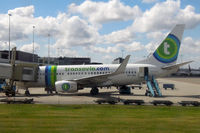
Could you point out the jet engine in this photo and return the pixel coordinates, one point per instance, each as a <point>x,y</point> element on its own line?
<point>66,86</point>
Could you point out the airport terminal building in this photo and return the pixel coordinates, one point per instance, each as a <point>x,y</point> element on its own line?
<point>29,57</point>
<point>20,56</point>
<point>64,60</point>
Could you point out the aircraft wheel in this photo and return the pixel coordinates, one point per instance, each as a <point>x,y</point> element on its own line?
<point>7,94</point>
<point>124,90</point>
<point>13,94</point>
<point>51,92</point>
<point>27,93</point>
<point>94,91</point>
<point>10,93</point>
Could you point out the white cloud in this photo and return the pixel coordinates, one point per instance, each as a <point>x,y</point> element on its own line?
<point>65,52</point>
<point>156,35</point>
<point>190,46</point>
<point>190,50</point>
<point>102,12</point>
<point>188,17</point>
<point>76,32</point>
<point>66,30</point>
<point>29,48</point>
<point>135,46</point>
<point>156,39</point>
<point>121,36</point>
<point>27,11</point>
<point>107,57</point>
<point>107,50</point>
<point>5,45</point>
<point>21,21</point>
<point>165,15</point>
<point>49,25</point>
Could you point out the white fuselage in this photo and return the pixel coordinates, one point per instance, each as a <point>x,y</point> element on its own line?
<point>134,74</point>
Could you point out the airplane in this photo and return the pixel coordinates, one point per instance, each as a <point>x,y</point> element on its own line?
<point>71,78</point>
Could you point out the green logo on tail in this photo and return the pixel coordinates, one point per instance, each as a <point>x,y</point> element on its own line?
<point>167,52</point>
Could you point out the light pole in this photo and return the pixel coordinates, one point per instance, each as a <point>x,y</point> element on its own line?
<point>122,53</point>
<point>33,42</point>
<point>48,47</point>
<point>9,37</point>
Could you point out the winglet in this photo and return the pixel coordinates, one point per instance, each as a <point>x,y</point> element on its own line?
<point>122,66</point>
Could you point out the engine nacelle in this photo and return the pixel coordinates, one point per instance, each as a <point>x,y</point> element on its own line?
<point>66,86</point>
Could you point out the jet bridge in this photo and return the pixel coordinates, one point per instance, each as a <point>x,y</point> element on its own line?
<point>23,72</point>
<point>26,72</point>
<point>5,71</point>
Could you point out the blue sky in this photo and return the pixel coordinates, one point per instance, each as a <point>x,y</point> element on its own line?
<point>100,29</point>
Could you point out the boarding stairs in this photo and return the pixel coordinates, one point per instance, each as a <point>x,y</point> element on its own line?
<point>153,87</point>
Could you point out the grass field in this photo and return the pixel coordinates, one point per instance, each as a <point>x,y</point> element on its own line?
<point>98,119</point>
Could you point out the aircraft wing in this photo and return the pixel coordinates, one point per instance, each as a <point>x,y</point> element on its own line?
<point>176,65</point>
<point>105,78</point>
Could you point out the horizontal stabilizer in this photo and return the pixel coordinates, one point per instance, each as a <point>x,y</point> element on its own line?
<point>176,65</point>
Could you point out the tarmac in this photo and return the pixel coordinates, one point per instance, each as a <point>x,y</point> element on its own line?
<point>186,89</point>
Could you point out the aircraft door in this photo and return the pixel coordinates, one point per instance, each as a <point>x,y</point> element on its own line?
<point>143,71</point>
<point>146,71</point>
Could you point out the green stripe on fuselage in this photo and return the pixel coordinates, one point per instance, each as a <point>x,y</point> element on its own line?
<point>53,75</point>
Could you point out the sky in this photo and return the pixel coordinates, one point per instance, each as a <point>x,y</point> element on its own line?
<point>100,29</point>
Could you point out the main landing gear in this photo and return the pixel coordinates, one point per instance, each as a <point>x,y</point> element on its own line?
<point>27,92</point>
<point>50,90</point>
<point>125,90</point>
<point>94,91</point>
<point>9,92</point>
